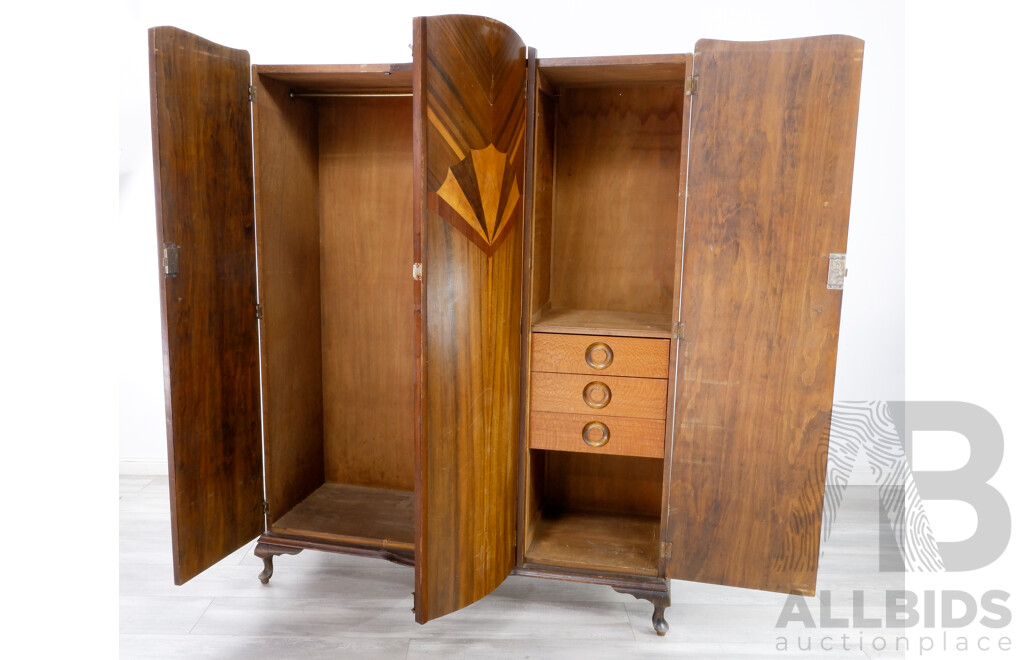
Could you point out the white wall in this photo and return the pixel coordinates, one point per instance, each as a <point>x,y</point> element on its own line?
<point>871,349</point>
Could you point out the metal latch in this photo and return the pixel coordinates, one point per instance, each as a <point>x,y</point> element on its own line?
<point>836,271</point>
<point>417,272</point>
<point>170,260</point>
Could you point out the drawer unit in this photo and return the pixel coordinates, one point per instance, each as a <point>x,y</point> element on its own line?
<point>608,356</point>
<point>586,394</point>
<point>598,434</point>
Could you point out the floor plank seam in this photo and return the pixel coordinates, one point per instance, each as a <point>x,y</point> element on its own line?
<point>201,615</point>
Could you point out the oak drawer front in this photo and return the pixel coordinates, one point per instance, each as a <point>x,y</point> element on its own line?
<point>598,395</point>
<point>608,356</point>
<point>621,436</point>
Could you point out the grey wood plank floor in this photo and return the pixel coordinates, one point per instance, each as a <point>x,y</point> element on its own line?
<point>323,605</point>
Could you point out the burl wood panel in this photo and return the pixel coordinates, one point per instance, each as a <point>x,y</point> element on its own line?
<point>616,198</point>
<point>630,397</point>
<point>627,436</point>
<point>469,83</point>
<point>288,240</point>
<point>202,158</point>
<point>642,358</point>
<point>771,163</point>
<point>366,270</point>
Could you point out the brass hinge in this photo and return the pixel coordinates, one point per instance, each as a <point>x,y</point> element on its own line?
<point>691,85</point>
<point>170,260</point>
<point>266,508</point>
<point>679,330</point>
<point>252,93</point>
<point>259,311</point>
<point>666,549</point>
<point>417,272</point>
<point>836,271</point>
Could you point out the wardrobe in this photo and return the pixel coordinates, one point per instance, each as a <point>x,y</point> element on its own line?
<point>488,314</point>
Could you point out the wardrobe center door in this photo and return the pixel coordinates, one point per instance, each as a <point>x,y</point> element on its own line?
<point>202,155</point>
<point>469,85</point>
<point>773,127</point>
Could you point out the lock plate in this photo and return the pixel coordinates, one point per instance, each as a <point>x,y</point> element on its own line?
<point>836,271</point>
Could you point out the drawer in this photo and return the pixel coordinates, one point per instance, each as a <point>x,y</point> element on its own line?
<point>610,356</point>
<point>593,394</point>
<point>622,436</point>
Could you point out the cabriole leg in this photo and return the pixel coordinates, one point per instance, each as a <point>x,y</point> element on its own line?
<point>266,552</point>
<point>660,599</point>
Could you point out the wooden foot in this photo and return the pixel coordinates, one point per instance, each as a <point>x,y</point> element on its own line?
<point>660,599</point>
<point>660,624</point>
<point>266,552</point>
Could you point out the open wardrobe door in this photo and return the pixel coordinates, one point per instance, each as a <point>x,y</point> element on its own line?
<point>469,87</point>
<point>202,154</point>
<point>773,127</point>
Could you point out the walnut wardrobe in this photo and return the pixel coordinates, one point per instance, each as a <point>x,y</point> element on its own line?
<point>486,314</point>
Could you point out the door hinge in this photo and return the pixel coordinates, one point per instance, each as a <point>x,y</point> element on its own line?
<point>170,260</point>
<point>679,330</point>
<point>417,272</point>
<point>252,93</point>
<point>836,271</point>
<point>266,508</point>
<point>259,311</point>
<point>666,549</point>
<point>692,83</point>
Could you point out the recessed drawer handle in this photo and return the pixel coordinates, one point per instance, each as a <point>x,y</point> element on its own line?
<point>599,355</point>
<point>596,434</point>
<point>596,394</point>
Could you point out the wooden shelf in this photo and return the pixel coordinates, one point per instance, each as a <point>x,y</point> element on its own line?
<point>339,512</point>
<point>604,322</point>
<point>616,543</point>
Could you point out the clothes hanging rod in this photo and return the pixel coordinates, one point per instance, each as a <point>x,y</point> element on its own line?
<point>296,95</point>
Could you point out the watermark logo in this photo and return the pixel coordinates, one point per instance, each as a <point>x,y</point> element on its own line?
<point>882,431</point>
<point>879,434</point>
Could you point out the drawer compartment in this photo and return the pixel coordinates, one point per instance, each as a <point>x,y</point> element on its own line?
<point>593,354</point>
<point>585,394</point>
<point>622,436</point>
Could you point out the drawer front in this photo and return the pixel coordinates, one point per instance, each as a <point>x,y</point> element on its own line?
<point>621,436</point>
<point>593,394</point>
<point>608,356</point>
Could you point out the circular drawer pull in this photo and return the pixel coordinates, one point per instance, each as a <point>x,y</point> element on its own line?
<point>591,437</point>
<point>596,394</point>
<point>599,355</point>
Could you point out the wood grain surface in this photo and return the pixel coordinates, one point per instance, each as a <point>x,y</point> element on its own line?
<point>202,161</point>
<point>285,137</point>
<point>604,322</point>
<point>668,70</point>
<point>592,482</point>
<point>616,198</point>
<point>469,83</point>
<point>343,513</point>
<point>597,542</point>
<point>366,267</point>
<point>771,164</point>
<point>645,358</point>
<point>630,397</point>
<point>628,436</point>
